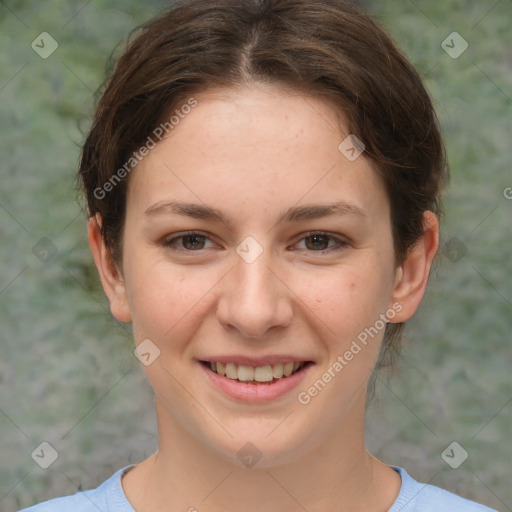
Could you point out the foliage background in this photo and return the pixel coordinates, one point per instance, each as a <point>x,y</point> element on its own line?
<point>67,373</point>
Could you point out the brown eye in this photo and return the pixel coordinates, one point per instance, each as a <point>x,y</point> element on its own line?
<point>317,242</point>
<point>192,242</point>
<point>186,242</point>
<point>322,242</point>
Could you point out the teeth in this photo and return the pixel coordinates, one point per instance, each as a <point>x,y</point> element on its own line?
<point>278,370</point>
<point>288,369</point>
<point>221,369</point>
<point>259,374</point>
<point>245,373</point>
<point>263,373</point>
<point>231,371</point>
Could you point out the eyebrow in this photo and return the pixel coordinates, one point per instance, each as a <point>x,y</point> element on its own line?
<point>293,214</point>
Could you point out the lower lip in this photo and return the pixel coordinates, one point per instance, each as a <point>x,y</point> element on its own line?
<point>259,392</point>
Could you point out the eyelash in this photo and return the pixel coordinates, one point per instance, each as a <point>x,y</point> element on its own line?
<point>170,242</point>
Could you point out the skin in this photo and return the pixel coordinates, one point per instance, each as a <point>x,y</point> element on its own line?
<point>253,153</point>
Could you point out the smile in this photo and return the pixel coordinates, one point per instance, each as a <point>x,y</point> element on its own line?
<point>261,383</point>
<point>268,373</point>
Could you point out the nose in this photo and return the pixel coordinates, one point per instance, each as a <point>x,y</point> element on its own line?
<point>254,299</point>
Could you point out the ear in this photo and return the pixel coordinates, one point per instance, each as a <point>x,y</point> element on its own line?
<point>412,276</point>
<point>111,277</point>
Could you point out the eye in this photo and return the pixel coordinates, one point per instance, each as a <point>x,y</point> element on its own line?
<point>187,242</point>
<point>319,241</point>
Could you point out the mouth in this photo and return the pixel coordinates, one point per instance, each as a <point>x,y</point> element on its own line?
<point>256,375</point>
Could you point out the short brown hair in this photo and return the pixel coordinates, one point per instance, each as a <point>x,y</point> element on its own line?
<point>330,49</point>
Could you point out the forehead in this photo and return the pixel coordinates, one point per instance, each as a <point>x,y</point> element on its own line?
<point>259,147</point>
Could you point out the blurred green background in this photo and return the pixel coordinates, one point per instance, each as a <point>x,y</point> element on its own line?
<point>67,372</point>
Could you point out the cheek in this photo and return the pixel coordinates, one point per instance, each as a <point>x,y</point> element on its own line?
<point>347,306</point>
<point>165,298</point>
<point>346,298</point>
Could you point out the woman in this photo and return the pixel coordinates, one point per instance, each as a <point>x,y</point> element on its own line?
<point>263,180</point>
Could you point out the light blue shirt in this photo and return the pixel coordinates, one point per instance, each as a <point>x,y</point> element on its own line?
<point>109,497</point>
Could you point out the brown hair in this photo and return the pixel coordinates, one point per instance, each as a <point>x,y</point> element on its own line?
<point>328,48</point>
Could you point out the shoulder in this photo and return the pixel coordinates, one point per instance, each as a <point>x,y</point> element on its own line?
<point>417,497</point>
<point>108,497</point>
<point>78,502</point>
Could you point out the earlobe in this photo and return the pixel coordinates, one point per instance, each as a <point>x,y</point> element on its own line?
<point>111,277</point>
<point>412,276</point>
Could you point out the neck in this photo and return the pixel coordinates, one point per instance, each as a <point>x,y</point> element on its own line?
<point>338,474</point>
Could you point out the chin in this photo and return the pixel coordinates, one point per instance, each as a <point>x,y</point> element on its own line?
<point>263,448</point>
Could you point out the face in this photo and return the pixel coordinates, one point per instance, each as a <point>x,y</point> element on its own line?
<point>251,239</point>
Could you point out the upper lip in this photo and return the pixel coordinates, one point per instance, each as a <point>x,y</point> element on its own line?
<point>256,361</point>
